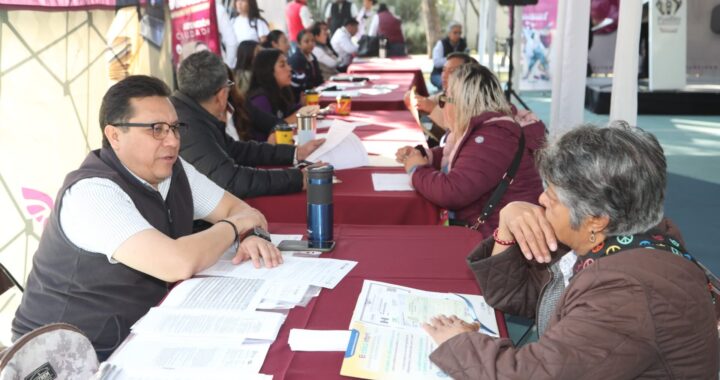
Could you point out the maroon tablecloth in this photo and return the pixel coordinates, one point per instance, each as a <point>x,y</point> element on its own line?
<point>355,202</point>
<point>423,257</point>
<point>386,130</point>
<point>391,65</point>
<point>390,101</point>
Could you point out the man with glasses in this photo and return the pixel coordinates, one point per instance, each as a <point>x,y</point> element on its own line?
<point>121,231</point>
<point>428,105</point>
<point>201,102</point>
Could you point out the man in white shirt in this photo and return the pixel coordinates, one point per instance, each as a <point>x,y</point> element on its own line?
<point>343,44</point>
<point>122,229</point>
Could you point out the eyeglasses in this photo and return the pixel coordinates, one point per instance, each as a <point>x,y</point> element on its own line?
<point>445,99</point>
<point>160,130</point>
<point>227,84</point>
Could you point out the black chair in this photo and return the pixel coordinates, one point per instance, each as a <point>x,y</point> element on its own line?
<point>7,280</point>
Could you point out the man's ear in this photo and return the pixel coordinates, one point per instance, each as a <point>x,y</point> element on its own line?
<point>111,133</point>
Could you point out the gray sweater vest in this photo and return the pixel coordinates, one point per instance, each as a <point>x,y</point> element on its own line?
<point>68,284</point>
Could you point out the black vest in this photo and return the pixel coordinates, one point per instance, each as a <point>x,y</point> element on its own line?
<point>448,48</point>
<point>68,284</point>
<point>339,13</point>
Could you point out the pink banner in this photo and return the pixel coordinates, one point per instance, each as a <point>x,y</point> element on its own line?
<point>538,25</point>
<point>194,28</point>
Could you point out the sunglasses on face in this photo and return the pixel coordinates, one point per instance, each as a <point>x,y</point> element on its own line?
<point>160,130</point>
<point>445,99</point>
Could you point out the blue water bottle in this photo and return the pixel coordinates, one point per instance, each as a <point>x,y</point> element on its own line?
<point>320,207</point>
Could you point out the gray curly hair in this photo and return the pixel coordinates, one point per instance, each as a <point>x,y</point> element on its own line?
<point>616,171</point>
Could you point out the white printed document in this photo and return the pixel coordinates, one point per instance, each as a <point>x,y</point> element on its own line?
<point>216,293</point>
<point>109,371</point>
<point>238,325</point>
<point>164,352</point>
<point>391,182</point>
<point>322,272</point>
<point>342,148</point>
<point>389,342</point>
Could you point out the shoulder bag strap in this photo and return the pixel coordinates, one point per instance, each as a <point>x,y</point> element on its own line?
<point>507,179</point>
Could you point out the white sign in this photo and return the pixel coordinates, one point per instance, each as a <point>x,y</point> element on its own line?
<point>668,45</point>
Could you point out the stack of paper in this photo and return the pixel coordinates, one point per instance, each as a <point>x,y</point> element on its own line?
<point>322,272</point>
<point>388,321</point>
<point>211,326</point>
<point>342,148</point>
<point>391,182</point>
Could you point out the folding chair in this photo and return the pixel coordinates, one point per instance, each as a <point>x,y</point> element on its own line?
<point>55,351</point>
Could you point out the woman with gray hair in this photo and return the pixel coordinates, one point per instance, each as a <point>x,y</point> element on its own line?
<point>612,289</point>
<point>484,137</point>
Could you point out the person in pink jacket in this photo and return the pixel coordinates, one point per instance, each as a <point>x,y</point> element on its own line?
<point>484,136</point>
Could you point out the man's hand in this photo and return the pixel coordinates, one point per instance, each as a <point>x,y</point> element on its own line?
<point>304,150</point>
<point>254,247</point>
<point>442,328</point>
<point>415,158</point>
<point>247,219</point>
<point>526,224</point>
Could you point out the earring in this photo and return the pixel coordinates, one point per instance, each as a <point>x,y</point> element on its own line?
<point>592,236</point>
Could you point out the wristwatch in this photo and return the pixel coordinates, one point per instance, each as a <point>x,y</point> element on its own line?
<point>259,232</point>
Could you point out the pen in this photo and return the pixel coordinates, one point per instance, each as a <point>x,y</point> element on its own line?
<point>474,314</point>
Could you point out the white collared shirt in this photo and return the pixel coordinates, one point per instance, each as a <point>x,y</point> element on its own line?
<point>343,45</point>
<point>98,216</point>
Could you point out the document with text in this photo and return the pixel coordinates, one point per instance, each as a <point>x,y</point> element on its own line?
<point>200,323</point>
<point>389,342</point>
<point>166,352</point>
<point>323,272</point>
<point>216,293</point>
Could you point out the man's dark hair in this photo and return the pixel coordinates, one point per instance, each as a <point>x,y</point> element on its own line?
<point>350,21</point>
<point>466,58</point>
<point>382,8</point>
<point>116,107</point>
<point>201,75</point>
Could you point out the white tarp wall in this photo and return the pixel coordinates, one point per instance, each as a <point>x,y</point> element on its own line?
<point>53,74</point>
<point>274,13</point>
<point>486,33</point>
<point>568,65</point>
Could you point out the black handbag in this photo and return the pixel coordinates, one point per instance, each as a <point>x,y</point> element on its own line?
<point>368,46</point>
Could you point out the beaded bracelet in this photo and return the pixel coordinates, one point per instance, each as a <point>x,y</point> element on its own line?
<point>502,242</point>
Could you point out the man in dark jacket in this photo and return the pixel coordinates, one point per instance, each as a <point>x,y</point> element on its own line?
<point>201,103</point>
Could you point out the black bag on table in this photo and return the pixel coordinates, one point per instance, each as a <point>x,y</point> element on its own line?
<point>368,46</point>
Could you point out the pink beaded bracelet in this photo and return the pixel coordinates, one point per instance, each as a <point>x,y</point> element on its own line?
<point>502,242</point>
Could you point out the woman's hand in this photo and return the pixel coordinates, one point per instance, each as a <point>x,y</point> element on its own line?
<point>442,328</point>
<point>414,158</point>
<point>526,224</point>
<point>403,153</point>
<point>424,104</point>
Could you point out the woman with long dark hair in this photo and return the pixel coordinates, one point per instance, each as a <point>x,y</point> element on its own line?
<point>243,68</point>
<point>270,90</point>
<point>248,24</point>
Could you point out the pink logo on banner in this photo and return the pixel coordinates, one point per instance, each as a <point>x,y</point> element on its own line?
<point>38,204</point>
